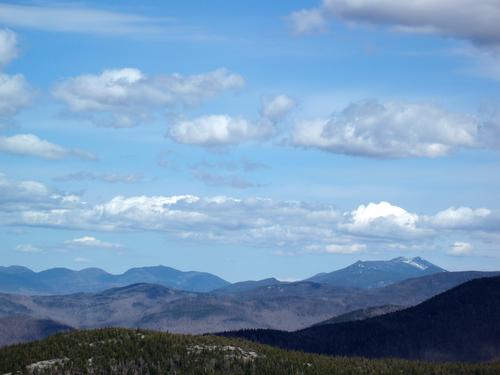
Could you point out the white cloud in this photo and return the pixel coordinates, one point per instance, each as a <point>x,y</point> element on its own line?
<point>81,260</point>
<point>275,109</point>
<point>92,242</point>
<point>337,248</point>
<point>472,20</point>
<point>17,197</point>
<point>464,218</point>
<point>218,130</point>
<point>77,19</point>
<point>8,47</point>
<point>383,220</point>
<point>32,145</point>
<point>460,249</point>
<point>390,130</point>
<point>28,248</point>
<point>126,97</point>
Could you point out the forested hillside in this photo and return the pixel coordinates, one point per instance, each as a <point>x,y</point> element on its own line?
<point>123,351</point>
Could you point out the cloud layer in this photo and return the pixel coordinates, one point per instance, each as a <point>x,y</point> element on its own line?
<point>260,222</point>
<point>472,20</point>
<point>393,130</point>
<point>127,97</point>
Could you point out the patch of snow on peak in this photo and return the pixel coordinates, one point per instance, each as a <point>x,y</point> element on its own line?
<point>415,263</point>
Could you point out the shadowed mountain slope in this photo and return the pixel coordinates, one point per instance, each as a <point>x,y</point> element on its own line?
<point>121,351</point>
<point>18,329</point>
<point>458,325</point>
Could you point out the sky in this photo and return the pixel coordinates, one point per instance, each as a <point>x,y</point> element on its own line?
<point>249,139</point>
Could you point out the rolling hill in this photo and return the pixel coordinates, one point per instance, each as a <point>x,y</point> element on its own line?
<point>121,351</point>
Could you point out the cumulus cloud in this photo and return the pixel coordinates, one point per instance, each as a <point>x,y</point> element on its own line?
<point>464,218</point>
<point>471,20</point>
<point>92,242</point>
<point>32,145</point>
<point>28,248</point>
<point>218,130</point>
<point>390,130</point>
<point>460,249</point>
<point>15,92</point>
<point>276,108</point>
<point>22,196</point>
<point>112,178</point>
<point>126,97</point>
<point>383,220</point>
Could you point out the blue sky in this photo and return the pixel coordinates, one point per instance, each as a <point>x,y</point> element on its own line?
<point>249,139</point>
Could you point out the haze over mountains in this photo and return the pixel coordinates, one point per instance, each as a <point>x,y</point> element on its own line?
<point>22,280</point>
<point>185,304</point>
<point>368,274</point>
<point>287,307</point>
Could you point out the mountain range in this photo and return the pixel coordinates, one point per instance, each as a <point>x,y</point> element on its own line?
<point>460,324</point>
<point>288,306</point>
<point>165,299</point>
<point>22,280</point>
<point>364,275</point>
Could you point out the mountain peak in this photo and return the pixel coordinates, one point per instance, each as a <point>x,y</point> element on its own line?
<point>378,273</point>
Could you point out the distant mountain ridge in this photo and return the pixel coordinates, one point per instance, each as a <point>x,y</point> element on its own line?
<point>244,286</point>
<point>460,324</point>
<point>361,275</point>
<point>285,306</point>
<point>22,280</point>
<point>376,274</point>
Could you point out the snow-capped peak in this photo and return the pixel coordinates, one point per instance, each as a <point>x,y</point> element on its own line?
<point>415,262</point>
